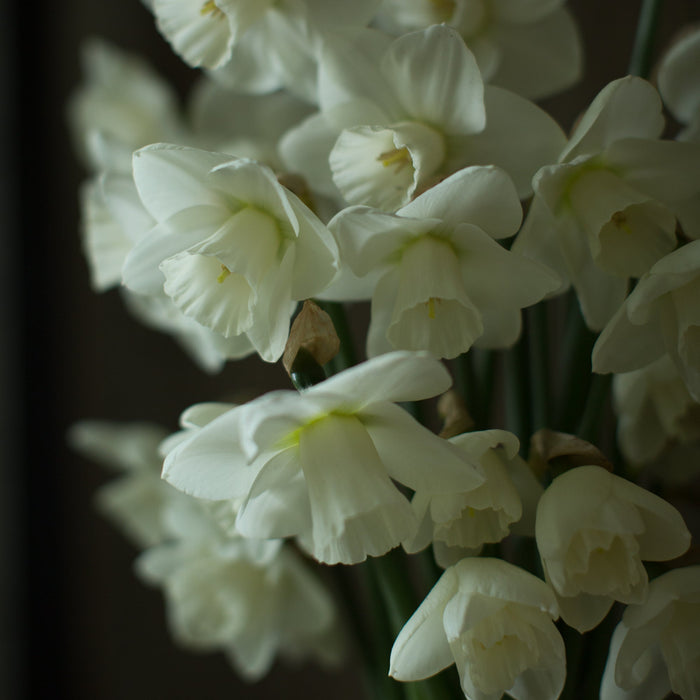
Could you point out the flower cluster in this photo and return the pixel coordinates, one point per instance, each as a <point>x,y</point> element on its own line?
<point>391,152</point>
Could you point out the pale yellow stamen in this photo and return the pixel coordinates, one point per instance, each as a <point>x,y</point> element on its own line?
<point>210,8</point>
<point>399,157</point>
<point>620,220</point>
<point>431,306</point>
<point>225,272</point>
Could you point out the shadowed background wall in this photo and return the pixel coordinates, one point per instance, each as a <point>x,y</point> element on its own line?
<point>76,622</point>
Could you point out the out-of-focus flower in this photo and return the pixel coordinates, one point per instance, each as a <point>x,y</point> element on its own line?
<point>656,649</point>
<point>532,48</point>
<point>495,622</point>
<point>134,502</point>
<point>607,211</point>
<point>122,105</point>
<point>593,531</point>
<point>441,273</point>
<point>231,247</point>
<point>661,316</point>
<point>253,600</point>
<point>319,465</point>
<point>654,408</point>
<point>398,116</point>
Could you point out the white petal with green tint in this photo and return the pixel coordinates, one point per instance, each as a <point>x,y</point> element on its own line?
<point>479,195</point>
<point>436,80</point>
<point>355,508</point>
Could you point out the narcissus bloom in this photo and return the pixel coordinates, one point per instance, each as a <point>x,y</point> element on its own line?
<point>231,247</point>
<point>319,464</point>
<point>607,211</point>
<point>120,106</point>
<point>532,48</point>
<point>495,622</point>
<point>470,519</point>
<point>593,531</point>
<point>252,600</point>
<point>135,501</point>
<point>661,316</point>
<point>654,408</point>
<point>440,270</point>
<point>656,647</point>
<point>398,116</point>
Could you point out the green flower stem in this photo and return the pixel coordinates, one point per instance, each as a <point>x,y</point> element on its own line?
<point>393,577</point>
<point>346,357</point>
<point>576,371</point>
<point>466,384</point>
<point>373,653</point>
<point>518,391</point>
<point>574,643</point>
<point>643,49</point>
<point>538,352</point>
<point>593,411</point>
<point>484,362</point>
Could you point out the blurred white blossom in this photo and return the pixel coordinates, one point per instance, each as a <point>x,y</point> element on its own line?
<point>655,649</point>
<point>654,408</point>
<point>532,48</point>
<point>660,316</point>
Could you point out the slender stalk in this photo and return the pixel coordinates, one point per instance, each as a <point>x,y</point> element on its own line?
<point>538,355</point>
<point>593,410</point>
<point>576,370</point>
<point>347,357</point>
<point>377,683</point>
<point>399,600</point>
<point>518,391</point>
<point>382,639</point>
<point>643,49</point>
<point>484,362</point>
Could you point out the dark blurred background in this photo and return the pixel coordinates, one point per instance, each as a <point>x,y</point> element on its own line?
<point>76,623</point>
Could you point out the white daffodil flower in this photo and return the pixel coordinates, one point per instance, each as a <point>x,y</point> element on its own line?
<point>593,531</point>
<point>256,45</point>
<point>655,649</point>
<point>495,622</point>
<point>470,519</point>
<point>440,270</point>
<point>396,117</point>
<point>231,247</point>
<point>122,105</point>
<point>251,599</point>
<point>319,465</point>
<point>660,316</point>
<point>532,48</point>
<point>654,407</point>
<point>607,211</point>
<point>136,501</point>
<point>113,221</point>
